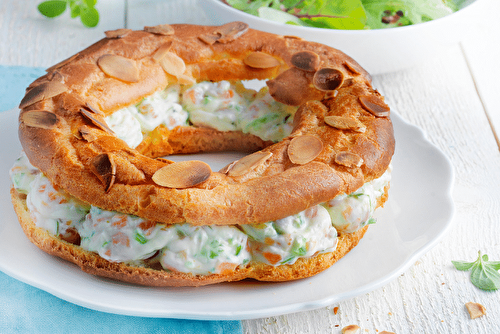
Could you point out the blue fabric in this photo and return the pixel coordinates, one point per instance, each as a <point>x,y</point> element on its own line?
<point>13,83</point>
<point>26,309</point>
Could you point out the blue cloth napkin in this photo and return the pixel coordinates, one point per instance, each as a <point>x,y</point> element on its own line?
<point>26,309</point>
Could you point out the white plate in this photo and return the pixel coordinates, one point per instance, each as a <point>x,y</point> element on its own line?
<point>418,213</point>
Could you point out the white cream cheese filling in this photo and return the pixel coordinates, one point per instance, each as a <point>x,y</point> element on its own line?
<point>223,106</point>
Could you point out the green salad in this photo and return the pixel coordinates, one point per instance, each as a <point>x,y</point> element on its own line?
<point>348,14</point>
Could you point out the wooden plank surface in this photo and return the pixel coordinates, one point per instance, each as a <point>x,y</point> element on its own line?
<point>29,39</point>
<point>453,98</point>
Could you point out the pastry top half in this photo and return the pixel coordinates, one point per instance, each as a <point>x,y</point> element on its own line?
<point>342,134</point>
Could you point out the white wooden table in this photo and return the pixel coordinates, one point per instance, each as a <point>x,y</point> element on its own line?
<point>455,98</point>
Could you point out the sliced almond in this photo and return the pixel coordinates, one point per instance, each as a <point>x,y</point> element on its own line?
<point>350,67</point>
<point>306,61</point>
<point>231,31</point>
<point>225,33</point>
<point>345,123</point>
<point>119,67</point>
<point>41,92</point>
<point>97,120</point>
<point>331,94</point>
<point>105,169</point>
<point>348,159</point>
<point>350,329</point>
<point>375,105</point>
<point>86,133</point>
<point>209,38</point>
<point>162,51</point>
<point>39,119</point>
<point>290,87</point>
<point>261,60</point>
<point>304,149</point>
<point>172,64</point>
<point>162,29</point>
<point>475,310</point>
<point>118,33</point>
<point>328,79</point>
<point>62,63</point>
<point>93,109</point>
<point>185,80</point>
<point>184,174</point>
<point>248,163</point>
<point>55,76</point>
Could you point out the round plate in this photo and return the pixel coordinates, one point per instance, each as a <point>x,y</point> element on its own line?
<point>416,216</point>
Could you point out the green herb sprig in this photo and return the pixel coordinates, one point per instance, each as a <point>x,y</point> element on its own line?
<point>85,9</point>
<point>484,274</point>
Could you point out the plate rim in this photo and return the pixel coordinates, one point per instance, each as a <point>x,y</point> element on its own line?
<point>269,311</point>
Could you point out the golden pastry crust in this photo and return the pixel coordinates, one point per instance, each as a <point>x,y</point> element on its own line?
<point>72,146</point>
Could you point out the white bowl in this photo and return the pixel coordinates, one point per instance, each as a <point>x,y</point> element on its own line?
<point>378,51</point>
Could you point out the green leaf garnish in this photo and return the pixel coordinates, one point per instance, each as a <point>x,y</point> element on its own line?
<point>484,273</point>
<point>52,8</point>
<point>140,238</point>
<point>83,8</point>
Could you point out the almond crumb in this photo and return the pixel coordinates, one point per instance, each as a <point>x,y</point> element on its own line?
<point>350,329</point>
<point>335,309</point>
<point>476,310</point>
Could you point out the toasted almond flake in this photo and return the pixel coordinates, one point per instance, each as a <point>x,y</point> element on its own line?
<point>162,51</point>
<point>41,92</point>
<point>331,94</point>
<point>350,67</point>
<point>289,87</point>
<point>118,33</point>
<point>86,133</point>
<point>261,60</point>
<point>39,119</point>
<point>209,38</point>
<point>375,105</point>
<point>97,120</point>
<point>62,63</point>
<point>306,61</point>
<point>185,80</point>
<point>248,163</point>
<point>184,174</point>
<point>348,159</point>
<point>231,31</point>
<point>93,109</point>
<point>173,64</point>
<point>304,149</point>
<point>328,79</point>
<point>292,37</point>
<point>119,67</point>
<point>350,329</point>
<point>228,167</point>
<point>105,169</point>
<point>345,123</point>
<point>162,29</point>
<point>55,76</point>
<point>475,310</point>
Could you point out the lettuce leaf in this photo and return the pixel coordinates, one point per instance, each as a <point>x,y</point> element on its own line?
<point>349,14</point>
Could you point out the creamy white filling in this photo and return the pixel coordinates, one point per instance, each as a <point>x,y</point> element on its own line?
<point>161,108</point>
<point>285,240</point>
<point>223,106</point>
<point>199,250</point>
